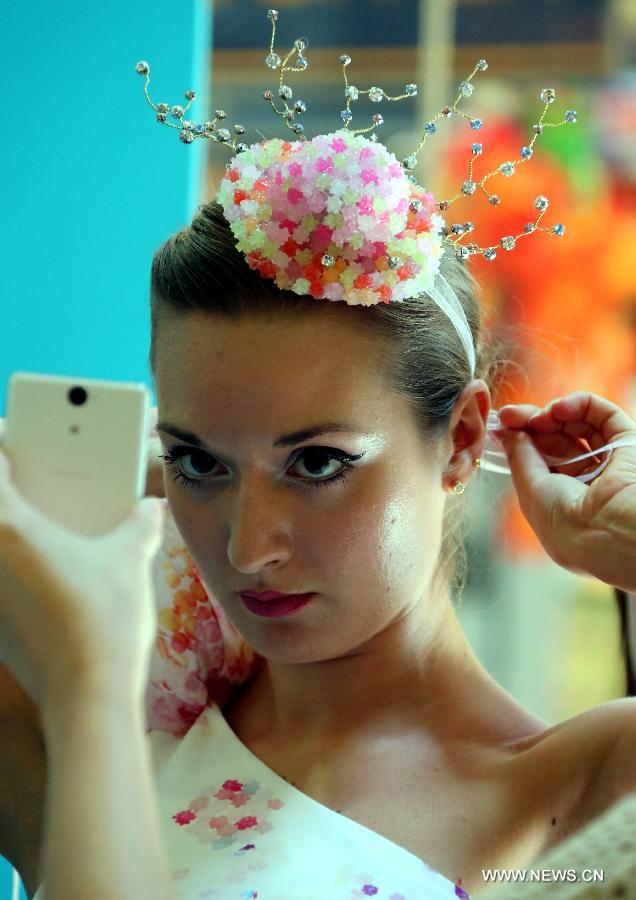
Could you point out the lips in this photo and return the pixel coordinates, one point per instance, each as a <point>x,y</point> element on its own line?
<point>274,606</point>
<point>264,596</point>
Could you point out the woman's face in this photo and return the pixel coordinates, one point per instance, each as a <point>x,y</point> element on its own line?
<point>273,509</point>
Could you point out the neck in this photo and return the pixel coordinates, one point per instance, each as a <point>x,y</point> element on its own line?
<point>412,673</point>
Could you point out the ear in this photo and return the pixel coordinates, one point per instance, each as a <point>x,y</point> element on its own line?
<point>467,433</point>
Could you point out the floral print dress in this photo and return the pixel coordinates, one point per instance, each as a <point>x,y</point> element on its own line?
<point>232,828</point>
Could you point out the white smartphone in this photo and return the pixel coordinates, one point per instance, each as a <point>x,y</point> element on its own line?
<point>78,447</point>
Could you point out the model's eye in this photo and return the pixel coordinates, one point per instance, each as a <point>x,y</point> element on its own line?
<point>318,463</point>
<point>321,465</point>
<point>325,465</point>
<point>199,469</point>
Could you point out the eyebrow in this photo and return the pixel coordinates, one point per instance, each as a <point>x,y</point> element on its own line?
<point>286,440</point>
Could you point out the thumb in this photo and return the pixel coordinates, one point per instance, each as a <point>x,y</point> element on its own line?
<point>143,527</point>
<point>537,488</point>
<point>527,466</point>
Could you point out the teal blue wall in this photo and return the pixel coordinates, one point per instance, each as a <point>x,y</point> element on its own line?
<point>91,184</point>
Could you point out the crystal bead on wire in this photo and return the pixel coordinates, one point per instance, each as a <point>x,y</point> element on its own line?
<point>351,92</point>
<point>301,63</point>
<point>477,149</point>
<point>297,128</point>
<point>548,95</point>
<point>482,65</point>
<point>410,90</point>
<point>508,242</point>
<point>462,253</point>
<point>447,111</point>
<point>377,119</point>
<point>376,94</point>
<point>394,262</point>
<point>457,229</point>
<point>490,253</point>
<point>409,162</point>
<point>273,61</point>
<point>469,226</point>
<point>177,111</point>
<point>161,117</point>
<point>541,203</point>
<point>469,187</point>
<point>162,107</point>
<point>430,128</point>
<point>272,14</point>
<point>285,92</point>
<point>494,200</point>
<point>507,169</point>
<point>241,147</point>
<point>526,152</point>
<point>466,89</point>
<point>220,114</point>
<point>239,129</point>
<point>189,95</point>
<point>476,124</point>
<point>301,44</point>
<point>559,229</point>
<point>529,227</point>
<point>538,128</point>
<point>142,67</point>
<point>186,136</point>
<point>346,115</point>
<point>300,106</point>
<point>345,59</point>
<point>416,205</point>
<point>570,115</point>
<point>222,135</point>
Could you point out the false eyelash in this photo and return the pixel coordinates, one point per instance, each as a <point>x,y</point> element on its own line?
<point>172,457</point>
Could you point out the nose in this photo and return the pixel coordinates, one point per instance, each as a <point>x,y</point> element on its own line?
<point>259,526</point>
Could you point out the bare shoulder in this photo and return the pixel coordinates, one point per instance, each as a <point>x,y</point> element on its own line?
<point>589,756</point>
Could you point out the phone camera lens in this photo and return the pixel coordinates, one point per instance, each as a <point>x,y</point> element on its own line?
<point>77,396</point>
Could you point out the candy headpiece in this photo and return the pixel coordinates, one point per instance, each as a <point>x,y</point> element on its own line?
<point>337,216</point>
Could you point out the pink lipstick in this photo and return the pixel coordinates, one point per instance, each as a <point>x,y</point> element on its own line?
<point>273,603</point>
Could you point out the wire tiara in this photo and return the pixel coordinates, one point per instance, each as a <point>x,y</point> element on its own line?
<point>295,61</point>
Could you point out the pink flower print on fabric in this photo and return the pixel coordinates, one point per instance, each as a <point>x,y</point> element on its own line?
<point>369,888</point>
<point>207,817</point>
<point>198,655</point>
